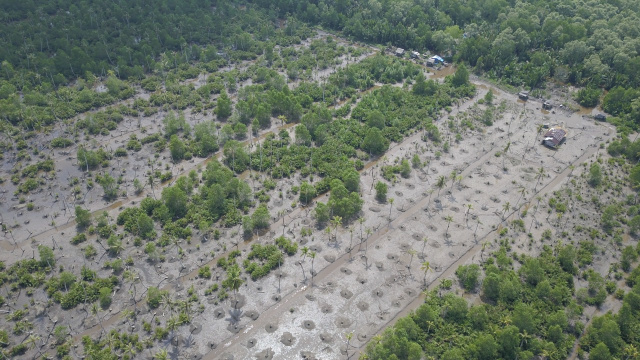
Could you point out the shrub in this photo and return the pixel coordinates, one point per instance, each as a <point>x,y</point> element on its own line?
<point>381,191</point>
<point>595,175</point>
<point>79,239</point>
<point>287,245</point>
<point>468,276</point>
<point>105,297</point>
<point>83,218</point>
<point>4,338</point>
<point>307,193</point>
<point>61,143</point>
<point>154,296</point>
<point>204,272</point>
<point>120,152</point>
<point>588,97</point>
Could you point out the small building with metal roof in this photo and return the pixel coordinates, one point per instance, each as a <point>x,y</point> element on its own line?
<point>554,137</point>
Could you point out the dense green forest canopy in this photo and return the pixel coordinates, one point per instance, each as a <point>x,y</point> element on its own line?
<point>69,38</point>
<point>593,44</point>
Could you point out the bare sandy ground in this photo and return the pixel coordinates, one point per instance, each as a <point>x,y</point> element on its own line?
<point>363,292</point>
<point>364,279</point>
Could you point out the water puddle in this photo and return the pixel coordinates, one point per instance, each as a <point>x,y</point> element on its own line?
<point>445,71</point>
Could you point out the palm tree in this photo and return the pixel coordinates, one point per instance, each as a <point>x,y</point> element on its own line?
<point>305,252</point>
<point>506,320</point>
<point>424,244</point>
<point>172,324</point>
<point>448,219</point>
<point>350,240</point>
<point>336,221</point>
<point>391,200</point>
<point>130,276</point>
<point>130,349</point>
<point>127,314</point>
<point>361,221</point>
<point>412,253</point>
<point>167,302</point>
<point>349,336</point>
<point>112,340</point>
<point>484,246</point>
<point>440,183</point>
<point>95,311</point>
<point>430,191</point>
<point>522,192</point>
<point>282,213</point>
<point>631,352</point>
<point>233,278</point>
<point>548,353</point>
<point>312,255</point>
<point>535,210</point>
<point>476,230</point>
<point>525,338</point>
<point>151,182</point>
<point>540,175</point>
<point>506,208</point>
<point>469,207</point>
<point>368,231</point>
<point>161,355</point>
<point>453,176</point>
<point>505,150</point>
<point>32,341</point>
<point>115,247</point>
<point>425,267</point>
<point>538,130</point>
<point>279,271</point>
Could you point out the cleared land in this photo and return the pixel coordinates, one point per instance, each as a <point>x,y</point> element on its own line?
<point>363,277</point>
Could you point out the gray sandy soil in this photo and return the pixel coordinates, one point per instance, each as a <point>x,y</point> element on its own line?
<point>364,278</point>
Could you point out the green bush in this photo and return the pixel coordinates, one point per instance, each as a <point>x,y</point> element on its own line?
<point>120,152</point>
<point>469,275</point>
<point>154,296</point>
<point>83,218</point>
<point>290,247</point>
<point>307,193</point>
<point>267,258</point>
<point>204,272</point>
<point>80,238</point>
<point>588,97</point>
<point>61,142</point>
<point>381,191</point>
<point>134,145</point>
<point>4,338</point>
